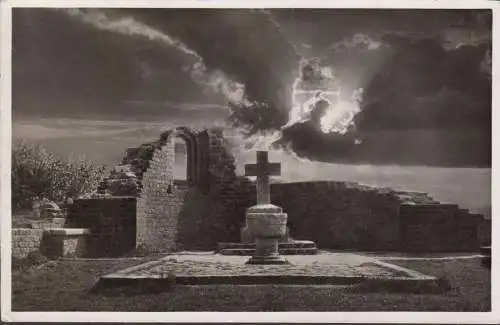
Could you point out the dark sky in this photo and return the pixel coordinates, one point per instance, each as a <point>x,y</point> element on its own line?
<point>425,76</point>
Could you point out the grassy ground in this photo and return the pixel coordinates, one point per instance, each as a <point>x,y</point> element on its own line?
<point>65,286</point>
<point>468,278</point>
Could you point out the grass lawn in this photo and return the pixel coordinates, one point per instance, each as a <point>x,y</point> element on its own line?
<point>467,277</point>
<point>65,286</point>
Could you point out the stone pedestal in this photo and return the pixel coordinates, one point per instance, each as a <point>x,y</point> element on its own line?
<point>246,236</point>
<point>65,242</point>
<point>267,223</point>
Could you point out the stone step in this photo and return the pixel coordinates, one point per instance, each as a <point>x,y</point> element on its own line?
<point>296,247</point>
<point>283,251</point>
<point>283,245</point>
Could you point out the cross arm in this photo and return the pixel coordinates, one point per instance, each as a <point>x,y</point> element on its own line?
<point>271,169</point>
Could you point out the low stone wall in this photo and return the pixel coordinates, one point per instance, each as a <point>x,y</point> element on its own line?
<point>439,228</point>
<point>25,241</point>
<point>485,231</point>
<point>428,227</point>
<point>50,242</point>
<point>210,207</point>
<point>335,215</point>
<point>112,224</point>
<point>182,219</point>
<point>65,242</point>
<point>340,215</point>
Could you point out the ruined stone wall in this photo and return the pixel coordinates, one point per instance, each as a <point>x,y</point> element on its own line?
<point>54,242</point>
<point>191,216</point>
<point>25,241</point>
<point>340,215</point>
<point>484,231</point>
<point>112,224</point>
<point>225,190</point>
<point>337,215</point>
<point>158,201</point>
<point>438,227</point>
<point>210,208</point>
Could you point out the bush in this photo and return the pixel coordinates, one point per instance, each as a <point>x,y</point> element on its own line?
<point>36,172</point>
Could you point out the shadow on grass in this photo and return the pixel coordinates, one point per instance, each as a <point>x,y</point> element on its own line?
<point>403,286</point>
<point>131,288</point>
<point>146,287</point>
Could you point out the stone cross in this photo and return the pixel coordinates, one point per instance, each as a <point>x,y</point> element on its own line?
<point>263,169</point>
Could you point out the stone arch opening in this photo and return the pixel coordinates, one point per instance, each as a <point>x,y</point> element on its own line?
<point>178,140</point>
<point>180,169</point>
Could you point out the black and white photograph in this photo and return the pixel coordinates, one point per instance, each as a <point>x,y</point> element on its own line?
<point>238,159</point>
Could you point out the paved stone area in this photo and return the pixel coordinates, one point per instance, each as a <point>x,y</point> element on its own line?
<point>321,269</point>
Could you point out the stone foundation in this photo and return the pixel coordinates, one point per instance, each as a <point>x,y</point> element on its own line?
<point>69,242</point>
<point>323,269</point>
<point>112,223</point>
<point>62,242</point>
<point>25,241</point>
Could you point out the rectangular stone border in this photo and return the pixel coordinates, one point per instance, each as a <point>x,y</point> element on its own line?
<point>413,282</point>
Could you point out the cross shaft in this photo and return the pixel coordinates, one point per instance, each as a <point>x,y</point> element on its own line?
<point>263,169</point>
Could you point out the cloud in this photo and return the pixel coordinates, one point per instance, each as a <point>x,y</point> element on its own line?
<point>127,26</point>
<point>97,61</point>
<point>215,80</point>
<point>358,39</point>
<point>249,46</point>
<point>455,92</point>
<point>426,105</point>
<point>139,64</point>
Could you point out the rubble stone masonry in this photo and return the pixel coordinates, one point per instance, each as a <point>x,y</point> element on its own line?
<point>210,207</point>
<point>25,241</point>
